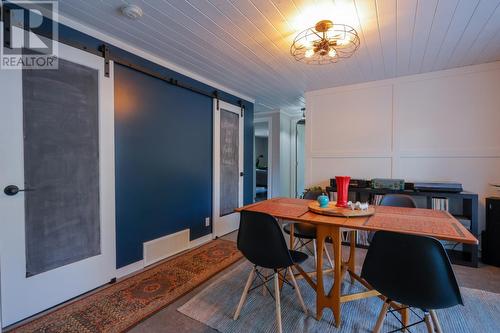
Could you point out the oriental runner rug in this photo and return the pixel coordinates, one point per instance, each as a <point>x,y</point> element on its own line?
<point>126,303</point>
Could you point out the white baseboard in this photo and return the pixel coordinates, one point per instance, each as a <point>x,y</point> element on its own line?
<point>129,269</point>
<point>200,241</point>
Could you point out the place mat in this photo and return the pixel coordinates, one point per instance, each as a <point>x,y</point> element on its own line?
<point>279,209</point>
<point>405,223</point>
<point>293,201</point>
<point>414,211</point>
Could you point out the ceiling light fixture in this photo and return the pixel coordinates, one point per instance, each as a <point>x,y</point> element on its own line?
<point>325,43</point>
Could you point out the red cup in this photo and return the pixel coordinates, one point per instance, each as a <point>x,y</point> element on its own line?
<point>342,190</point>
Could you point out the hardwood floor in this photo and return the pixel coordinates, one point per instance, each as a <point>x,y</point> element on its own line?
<point>169,320</point>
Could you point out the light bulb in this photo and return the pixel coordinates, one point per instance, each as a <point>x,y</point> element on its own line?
<point>306,44</point>
<point>344,41</point>
<point>332,53</point>
<point>309,53</point>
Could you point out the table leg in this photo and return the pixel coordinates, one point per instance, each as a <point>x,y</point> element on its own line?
<point>332,299</point>
<point>337,284</point>
<point>321,298</point>
<point>352,253</point>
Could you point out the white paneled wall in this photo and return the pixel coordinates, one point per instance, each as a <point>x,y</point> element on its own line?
<point>442,126</point>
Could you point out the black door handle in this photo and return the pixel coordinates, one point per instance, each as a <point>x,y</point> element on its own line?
<point>13,190</point>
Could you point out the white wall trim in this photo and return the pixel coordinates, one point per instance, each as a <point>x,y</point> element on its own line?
<point>433,126</point>
<point>472,69</point>
<point>268,113</point>
<point>201,240</point>
<point>148,56</point>
<point>129,269</point>
<point>350,154</point>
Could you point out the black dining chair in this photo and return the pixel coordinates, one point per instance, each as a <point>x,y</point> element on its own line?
<point>261,241</point>
<point>411,270</point>
<point>305,233</point>
<point>398,200</point>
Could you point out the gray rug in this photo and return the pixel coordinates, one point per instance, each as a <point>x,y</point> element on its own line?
<point>215,305</point>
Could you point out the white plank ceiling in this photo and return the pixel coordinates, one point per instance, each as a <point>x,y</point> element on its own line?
<point>244,44</point>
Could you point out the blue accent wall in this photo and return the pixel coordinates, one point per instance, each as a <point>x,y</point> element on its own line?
<point>163,151</point>
<point>163,161</point>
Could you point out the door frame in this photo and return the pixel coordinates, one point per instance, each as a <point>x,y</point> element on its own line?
<point>294,161</point>
<point>14,206</point>
<point>217,229</point>
<point>269,122</point>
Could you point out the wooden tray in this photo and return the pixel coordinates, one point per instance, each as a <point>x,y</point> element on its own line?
<point>339,211</point>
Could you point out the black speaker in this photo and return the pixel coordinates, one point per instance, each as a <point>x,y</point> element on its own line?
<point>490,238</point>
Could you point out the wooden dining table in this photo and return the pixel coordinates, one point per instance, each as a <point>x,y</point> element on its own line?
<point>425,222</point>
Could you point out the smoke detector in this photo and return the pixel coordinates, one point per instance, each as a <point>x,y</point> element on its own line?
<point>133,12</point>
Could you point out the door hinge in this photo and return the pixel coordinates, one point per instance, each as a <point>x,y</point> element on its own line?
<point>242,174</point>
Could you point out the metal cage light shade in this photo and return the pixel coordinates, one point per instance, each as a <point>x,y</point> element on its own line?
<point>325,43</point>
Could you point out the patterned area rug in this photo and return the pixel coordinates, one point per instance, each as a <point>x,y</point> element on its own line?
<point>126,303</point>
<point>214,306</point>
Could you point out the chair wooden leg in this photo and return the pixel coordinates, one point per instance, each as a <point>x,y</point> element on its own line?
<point>245,293</point>
<point>435,321</point>
<point>381,317</point>
<point>278,304</point>
<point>428,322</point>
<point>297,290</point>
<point>329,258</point>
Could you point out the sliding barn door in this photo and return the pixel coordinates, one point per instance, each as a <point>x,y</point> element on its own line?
<point>57,180</point>
<point>228,167</point>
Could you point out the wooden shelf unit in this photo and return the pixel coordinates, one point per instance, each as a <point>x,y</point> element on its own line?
<point>463,205</point>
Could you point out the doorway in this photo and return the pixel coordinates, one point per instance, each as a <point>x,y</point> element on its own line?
<point>300,139</point>
<point>263,159</point>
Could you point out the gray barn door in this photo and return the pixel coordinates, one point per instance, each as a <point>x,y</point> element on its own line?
<point>228,167</point>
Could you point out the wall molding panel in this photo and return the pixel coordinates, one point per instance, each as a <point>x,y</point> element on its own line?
<point>439,126</point>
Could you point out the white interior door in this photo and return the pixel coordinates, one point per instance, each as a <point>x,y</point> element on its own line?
<point>228,167</point>
<point>23,293</point>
